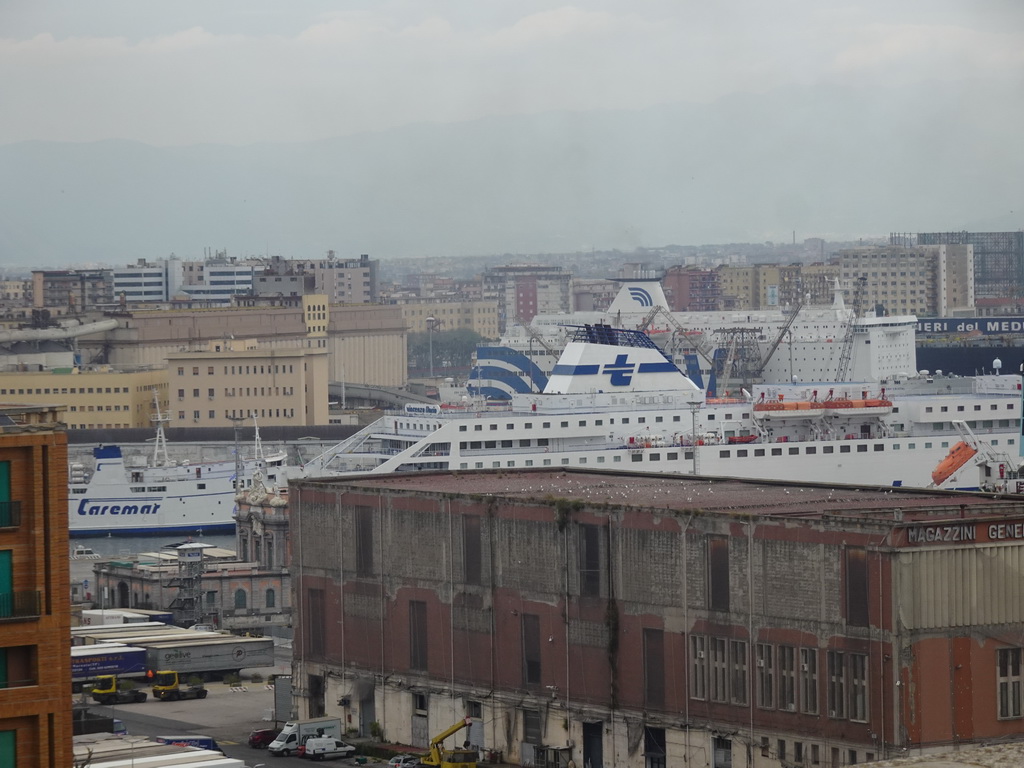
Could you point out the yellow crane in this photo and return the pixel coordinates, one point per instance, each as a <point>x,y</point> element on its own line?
<point>450,758</point>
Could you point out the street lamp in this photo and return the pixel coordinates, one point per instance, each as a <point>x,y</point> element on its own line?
<point>431,324</point>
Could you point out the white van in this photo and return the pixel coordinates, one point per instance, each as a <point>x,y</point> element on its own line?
<point>326,748</point>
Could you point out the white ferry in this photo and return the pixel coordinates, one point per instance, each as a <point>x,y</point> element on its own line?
<point>163,496</point>
<point>614,400</point>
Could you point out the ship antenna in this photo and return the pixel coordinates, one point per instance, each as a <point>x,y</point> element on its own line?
<point>160,457</point>
<point>259,443</point>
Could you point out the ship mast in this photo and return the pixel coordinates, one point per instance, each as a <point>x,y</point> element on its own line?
<point>160,457</point>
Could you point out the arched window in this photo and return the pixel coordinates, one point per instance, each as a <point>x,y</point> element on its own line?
<point>240,597</point>
<point>271,598</point>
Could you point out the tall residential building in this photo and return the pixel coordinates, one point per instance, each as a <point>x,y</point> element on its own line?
<point>692,289</point>
<point>524,291</point>
<point>998,259</point>
<point>35,593</point>
<point>72,291</point>
<point>923,280</point>
<point>344,281</point>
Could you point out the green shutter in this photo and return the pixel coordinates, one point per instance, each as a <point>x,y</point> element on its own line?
<point>6,585</point>
<point>5,481</point>
<point>3,671</point>
<point>8,747</point>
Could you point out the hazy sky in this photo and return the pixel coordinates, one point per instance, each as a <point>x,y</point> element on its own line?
<point>243,71</point>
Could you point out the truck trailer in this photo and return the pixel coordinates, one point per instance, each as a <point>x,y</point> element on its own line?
<point>90,661</point>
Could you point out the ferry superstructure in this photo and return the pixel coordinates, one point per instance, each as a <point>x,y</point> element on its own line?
<point>614,400</point>
<point>809,343</point>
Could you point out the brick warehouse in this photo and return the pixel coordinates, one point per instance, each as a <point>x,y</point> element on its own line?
<point>639,620</point>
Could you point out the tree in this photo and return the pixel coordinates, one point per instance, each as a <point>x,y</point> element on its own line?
<point>452,350</point>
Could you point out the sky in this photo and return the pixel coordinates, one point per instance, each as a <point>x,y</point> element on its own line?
<point>239,72</point>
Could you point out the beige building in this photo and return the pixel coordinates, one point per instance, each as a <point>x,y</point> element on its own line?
<point>238,379</point>
<point>101,398</point>
<point>478,316</point>
<point>366,344</point>
<point>923,280</point>
<point>738,288</point>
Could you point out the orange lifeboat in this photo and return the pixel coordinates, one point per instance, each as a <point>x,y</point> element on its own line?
<point>958,455</point>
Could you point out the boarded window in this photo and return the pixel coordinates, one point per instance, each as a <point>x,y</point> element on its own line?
<point>654,668</point>
<point>315,622</point>
<point>531,649</point>
<point>856,587</point>
<point>718,573</point>
<point>417,635</point>
<point>364,541</point>
<point>531,726</point>
<point>471,557</point>
<point>590,560</point>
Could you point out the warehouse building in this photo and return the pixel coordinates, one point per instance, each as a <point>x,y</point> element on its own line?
<point>615,619</point>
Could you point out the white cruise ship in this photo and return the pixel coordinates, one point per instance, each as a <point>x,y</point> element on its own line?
<point>616,401</point>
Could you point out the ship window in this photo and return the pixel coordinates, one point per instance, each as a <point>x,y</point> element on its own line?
<point>524,443</point>
<point>794,451</point>
<point>987,424</point>
<point>637,457</point>
<point>862,449</point>
<point>1009,406</point>
<point>742,454</point>
<point>506,443</point>
<point>528,425</point>
<point>895,446</point>
<point>463,465</point>
<point>565,461</point>
<point>977,408</point>
<point>583,423</point>
<point>545,425</point>
<point>929,409</point>
<point>993,407</point>
<point>462,445</point>
<point>157,489</point>
<point>582,461</point>
<point>711,417</point>
<point>879,446</point>
<point>478,427</point>
<point>617,459</point>
<point>724,454</point>
<point>510,426</point>
<point>547,462</point>
<point>479,465</point>
<point>959,407</point>
<point>565,424</point>
<point>927,446</point>
<point>490,443</point>
<point>510,464</point>
<point>911,446</point>
<point>944,408</point>
<point>776,451</point>
<point>658,419</point>
<point>625,420</point>
<point>600,460</point>
<point>675,418</point>
<point>759,452</point>
<point>810,449</point>
<point>828,449</point>
<point>598,422</point>
<point>844,449</point>
<point>495,464</point>
<point>674,456</point>
<point>475,445</point>
<point>462,428</point>
<point>542,441</point>
<point>201,486</point>
<point>494,426</point>
<point>688,455</point>
<point>529,462</point>
<point>642,420</point>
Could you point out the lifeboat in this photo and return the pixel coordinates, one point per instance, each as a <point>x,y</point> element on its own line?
<point>741,439</point>
<point>958,455</point>
<point>807,408</point>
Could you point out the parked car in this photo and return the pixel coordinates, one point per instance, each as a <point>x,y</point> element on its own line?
<point>403,761</point>
<point>325,747</point>
<point>260,739</point>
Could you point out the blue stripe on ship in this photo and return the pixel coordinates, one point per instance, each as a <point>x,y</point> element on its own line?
<point>665,367</point>
<point>575,370</point>
<point>491,393</point>
<point>510,379</point>
<point>143,531</point>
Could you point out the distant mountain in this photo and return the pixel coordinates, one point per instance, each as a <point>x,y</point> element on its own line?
<point>823,162</point>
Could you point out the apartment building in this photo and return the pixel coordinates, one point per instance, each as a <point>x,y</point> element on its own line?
<point>35,593</point>
<point>237,379</point>
<point>923,280</point>
<point>524,291</point>
<point>94,398</point>
<point>645,621</point>
<point>72,291</point>
<point>478,316</point>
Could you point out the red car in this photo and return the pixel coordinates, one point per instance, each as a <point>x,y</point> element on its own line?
<point>261,739</point>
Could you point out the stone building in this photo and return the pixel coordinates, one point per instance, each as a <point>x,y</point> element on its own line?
<point>614,619</point>
<point>35,615</point>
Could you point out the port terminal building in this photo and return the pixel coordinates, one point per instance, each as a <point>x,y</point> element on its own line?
<point>614,619</point>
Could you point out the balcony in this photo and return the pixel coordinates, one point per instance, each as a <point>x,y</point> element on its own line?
<point>10,514</point>
<point>16,606</point>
